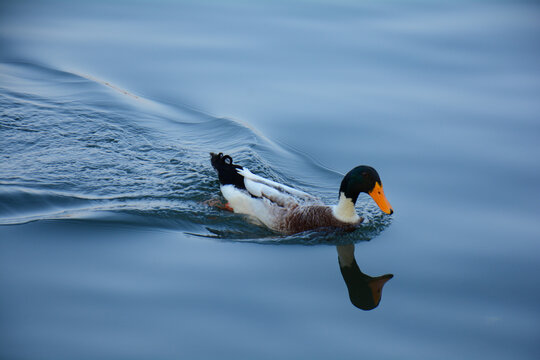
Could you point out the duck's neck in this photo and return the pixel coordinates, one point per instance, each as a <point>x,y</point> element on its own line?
<point>345,211</point>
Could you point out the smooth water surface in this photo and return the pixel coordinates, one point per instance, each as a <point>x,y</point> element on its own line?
<point>110,108</point>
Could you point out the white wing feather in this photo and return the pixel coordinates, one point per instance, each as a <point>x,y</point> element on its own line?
<point>272,188</point>
<point>261,190</point>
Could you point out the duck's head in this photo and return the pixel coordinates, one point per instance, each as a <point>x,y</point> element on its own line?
<point>365,179</point>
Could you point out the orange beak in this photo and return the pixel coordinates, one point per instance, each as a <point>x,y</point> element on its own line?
<point>378,195</point>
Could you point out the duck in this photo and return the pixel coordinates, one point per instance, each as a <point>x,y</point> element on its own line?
<point>287,210</point>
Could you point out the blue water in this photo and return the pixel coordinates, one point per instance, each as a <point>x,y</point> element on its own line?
<point>110,108</point>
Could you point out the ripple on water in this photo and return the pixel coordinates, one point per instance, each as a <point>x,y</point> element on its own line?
<point>77,148</point>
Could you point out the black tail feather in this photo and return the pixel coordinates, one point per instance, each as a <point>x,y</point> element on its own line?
<point>227,170</point>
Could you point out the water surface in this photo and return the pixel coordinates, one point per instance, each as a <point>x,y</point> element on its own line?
<point>109,110</point>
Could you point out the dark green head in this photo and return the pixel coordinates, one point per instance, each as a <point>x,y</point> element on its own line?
<point>365,179</point>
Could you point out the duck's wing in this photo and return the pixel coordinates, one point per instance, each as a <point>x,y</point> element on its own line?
<point>261,190</point>
<point>281,194</point>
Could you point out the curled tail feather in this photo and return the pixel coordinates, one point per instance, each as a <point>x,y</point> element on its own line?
<point>227,171</point>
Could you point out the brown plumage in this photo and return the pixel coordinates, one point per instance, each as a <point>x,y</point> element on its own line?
<point>308,217</point>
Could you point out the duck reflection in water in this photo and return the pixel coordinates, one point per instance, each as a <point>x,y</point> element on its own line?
<point>364,291</point>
